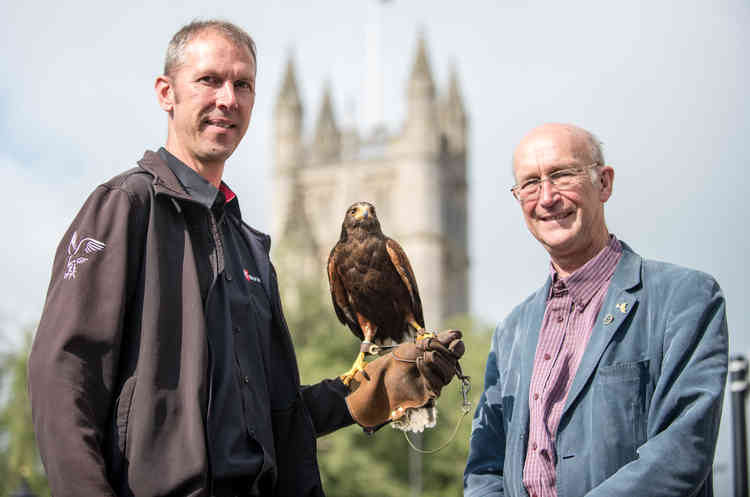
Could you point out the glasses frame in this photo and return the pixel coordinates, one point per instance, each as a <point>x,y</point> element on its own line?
<point>580,171</point>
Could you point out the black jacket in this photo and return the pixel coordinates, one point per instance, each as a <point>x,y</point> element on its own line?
<point>119,369</point>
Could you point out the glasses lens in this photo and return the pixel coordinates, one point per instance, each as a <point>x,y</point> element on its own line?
<point>529,191</point>
<point>566,179</point>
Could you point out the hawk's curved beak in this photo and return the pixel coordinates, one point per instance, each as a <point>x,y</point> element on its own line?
<point>362,213</point>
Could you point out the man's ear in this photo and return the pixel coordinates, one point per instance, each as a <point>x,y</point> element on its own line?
<point>165,93</point>
<point>606,178</point>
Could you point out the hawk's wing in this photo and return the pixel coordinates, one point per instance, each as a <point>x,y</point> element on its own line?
<point>340,296</point>
<point>401,263</point>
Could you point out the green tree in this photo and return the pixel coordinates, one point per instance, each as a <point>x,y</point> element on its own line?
<point>19,457</point>
<point>354,464</point>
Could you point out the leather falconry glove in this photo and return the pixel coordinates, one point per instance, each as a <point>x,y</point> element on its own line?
<point>402,385</point>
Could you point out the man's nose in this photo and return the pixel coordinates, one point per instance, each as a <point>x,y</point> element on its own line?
<point>548,193</point>
<point>226,96</point>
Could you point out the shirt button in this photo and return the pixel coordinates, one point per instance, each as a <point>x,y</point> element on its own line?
<point>560,319</point>
<point>533,446</point>
<point>246,379</point>
<point>536,396</point>
<point>546,357</point>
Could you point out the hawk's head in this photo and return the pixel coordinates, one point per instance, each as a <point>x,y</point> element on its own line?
<point>361,215</point>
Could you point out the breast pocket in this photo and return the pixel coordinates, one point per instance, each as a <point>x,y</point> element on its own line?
<point>620,407</point>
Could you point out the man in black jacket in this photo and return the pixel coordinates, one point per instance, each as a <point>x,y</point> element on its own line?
<point>162,364</point>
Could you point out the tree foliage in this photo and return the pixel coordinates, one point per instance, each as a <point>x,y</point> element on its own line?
<point>19,457</point>
<point>354,464</point>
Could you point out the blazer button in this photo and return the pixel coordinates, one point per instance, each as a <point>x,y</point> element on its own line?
<point>227,276</point>
<point>246,379</point>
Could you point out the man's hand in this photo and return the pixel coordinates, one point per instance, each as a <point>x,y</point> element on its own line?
<point>411,376</point>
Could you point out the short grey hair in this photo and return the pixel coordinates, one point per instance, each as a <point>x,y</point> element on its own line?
<point>596,154</point>
<point>176,48</point>
<point>595,148</point>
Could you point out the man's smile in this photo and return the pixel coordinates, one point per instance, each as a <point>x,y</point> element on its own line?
<point>555,217</point>
<point>221,123</point>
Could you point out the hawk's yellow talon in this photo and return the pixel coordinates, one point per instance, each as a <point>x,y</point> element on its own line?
<point>426,334</point>
<point>359,365</point>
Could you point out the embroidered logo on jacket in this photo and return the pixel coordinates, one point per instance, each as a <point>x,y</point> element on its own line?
<point>250,277</point>
<point>77,252</point>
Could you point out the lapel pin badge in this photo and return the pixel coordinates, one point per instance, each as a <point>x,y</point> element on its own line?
<point>623,306</point>
<point>608,318</point>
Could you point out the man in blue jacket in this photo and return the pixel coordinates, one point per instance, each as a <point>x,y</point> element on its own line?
<point>608,381</point>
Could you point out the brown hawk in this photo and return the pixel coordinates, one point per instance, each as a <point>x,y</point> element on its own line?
<point>372,284</point>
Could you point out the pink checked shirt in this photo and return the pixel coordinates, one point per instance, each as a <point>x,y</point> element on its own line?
<point>572,306</point>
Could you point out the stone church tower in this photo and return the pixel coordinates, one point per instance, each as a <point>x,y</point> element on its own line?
<point>416,178</point>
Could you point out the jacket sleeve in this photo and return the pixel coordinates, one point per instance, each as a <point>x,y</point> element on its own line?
<point>326,405</point>
<point>483,476</point>
<point>74,359</point>
<point>685,410</point>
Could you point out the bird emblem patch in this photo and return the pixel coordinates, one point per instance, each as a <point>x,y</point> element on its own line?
<point>79,252</point>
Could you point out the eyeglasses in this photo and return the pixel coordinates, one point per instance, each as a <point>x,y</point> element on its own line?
<point>564,179</point>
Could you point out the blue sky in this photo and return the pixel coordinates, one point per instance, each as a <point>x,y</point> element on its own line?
<point>665,85</point>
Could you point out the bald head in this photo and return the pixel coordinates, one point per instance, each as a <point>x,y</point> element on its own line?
<point>540,141</point>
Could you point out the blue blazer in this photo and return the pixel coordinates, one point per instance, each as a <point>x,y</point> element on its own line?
<point>643,412</point>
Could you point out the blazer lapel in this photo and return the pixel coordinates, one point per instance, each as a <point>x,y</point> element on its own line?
<point>618,304</point>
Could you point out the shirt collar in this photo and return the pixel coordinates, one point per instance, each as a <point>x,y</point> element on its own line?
<point>196,185</point>
<point>587,280</point>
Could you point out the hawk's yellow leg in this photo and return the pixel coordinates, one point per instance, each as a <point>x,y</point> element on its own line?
<point>359,365</point>
<point>421,333</point>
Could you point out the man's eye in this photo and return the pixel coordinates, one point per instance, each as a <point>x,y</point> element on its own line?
<point>530,184</point>
<point>243,85</point>
<point>209,80</point>
<point>563,174</point>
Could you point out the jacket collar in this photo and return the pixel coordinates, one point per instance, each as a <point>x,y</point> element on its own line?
<point>165,182</point>
<point>193,183</point>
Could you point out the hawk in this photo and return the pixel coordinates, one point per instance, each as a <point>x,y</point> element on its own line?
<point>373,287</point>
